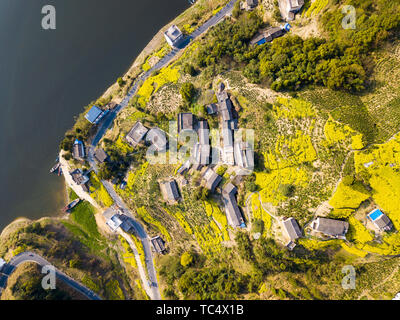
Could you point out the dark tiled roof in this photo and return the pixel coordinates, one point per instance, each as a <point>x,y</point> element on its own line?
<point>212,179</point>
<point>78,177</point>
<point>78,151</point>
<point>171,190</point>
<point>100,155</point>
<point>384,223</point>
<point>212,108</point>
<point>331,227</point>
<point>292,229</point>
<point>158,244</point>
<point>232,209</point>
<point>186,121</point>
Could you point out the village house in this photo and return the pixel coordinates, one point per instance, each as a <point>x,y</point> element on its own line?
<point>157,138</point>
<point>111,106</point>
<point>127,224</point>
<point>225,106</point>
<point>95,114</point>
<point>269,35</point>
<point>201,154</point>
<point>78,177</point>
<point>203,132</point>
<point>184,168</point>
<point>289,8</point>
<point>380,220</point>
<point>332,228</point>
<point>248,5</point>
<point>186,121</point>
<point>100,155</point>
<point>174,36</point>
<point>227,156</point>
<point>158,244</point>
<point>292,231</point>
<point>244,157</point>
<point>78,150</point>
<point>197,167</point>
<point>233,214</point>
<point>114,220</point>
<point>170,191</point>
<point>212,109</point>
<point>202,149</point>
<point>228,124</point>
<point>212,180</point>
<point>136,134</point>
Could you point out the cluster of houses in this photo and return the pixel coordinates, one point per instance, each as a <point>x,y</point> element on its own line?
<point>232,153</point>
<point>94,116</point>
<point>331,228</point>
<point>78,176</point>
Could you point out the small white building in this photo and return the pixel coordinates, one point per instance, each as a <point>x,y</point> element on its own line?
<point>289,8</point>
<point>114,222</point>
<point>2,264</point>
<point>174,36</point>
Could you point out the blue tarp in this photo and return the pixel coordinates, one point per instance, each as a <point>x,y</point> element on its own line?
<point>375,214</point>
<point>262,41</point>
<point>287,27</point>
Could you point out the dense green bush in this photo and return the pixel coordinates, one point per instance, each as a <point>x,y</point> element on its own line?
<point>187,92</point>
<point>289,62</point>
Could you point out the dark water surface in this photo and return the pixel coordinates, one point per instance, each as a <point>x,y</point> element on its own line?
<point>46,77</point>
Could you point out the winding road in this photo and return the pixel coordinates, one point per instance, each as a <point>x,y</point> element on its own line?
<point>153,289</point>
<point>21,258</point>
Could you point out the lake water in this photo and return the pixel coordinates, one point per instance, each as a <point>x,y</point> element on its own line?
<point>46,77</point>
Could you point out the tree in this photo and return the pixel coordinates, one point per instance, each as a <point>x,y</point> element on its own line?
<point>121,82</point>
<point>189,69</point>
<point>348,180</point>
<point>187,92</point>
<point>104,172</point>
<point>186,259</point>
<point>287,190</point>
<point>258,226</point>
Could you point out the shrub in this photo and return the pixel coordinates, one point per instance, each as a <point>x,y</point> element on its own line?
<point>189,69</point>
<point>258,226</point>
<point>186,259</point>
<point>120,82</point>
<point>187,92</point>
